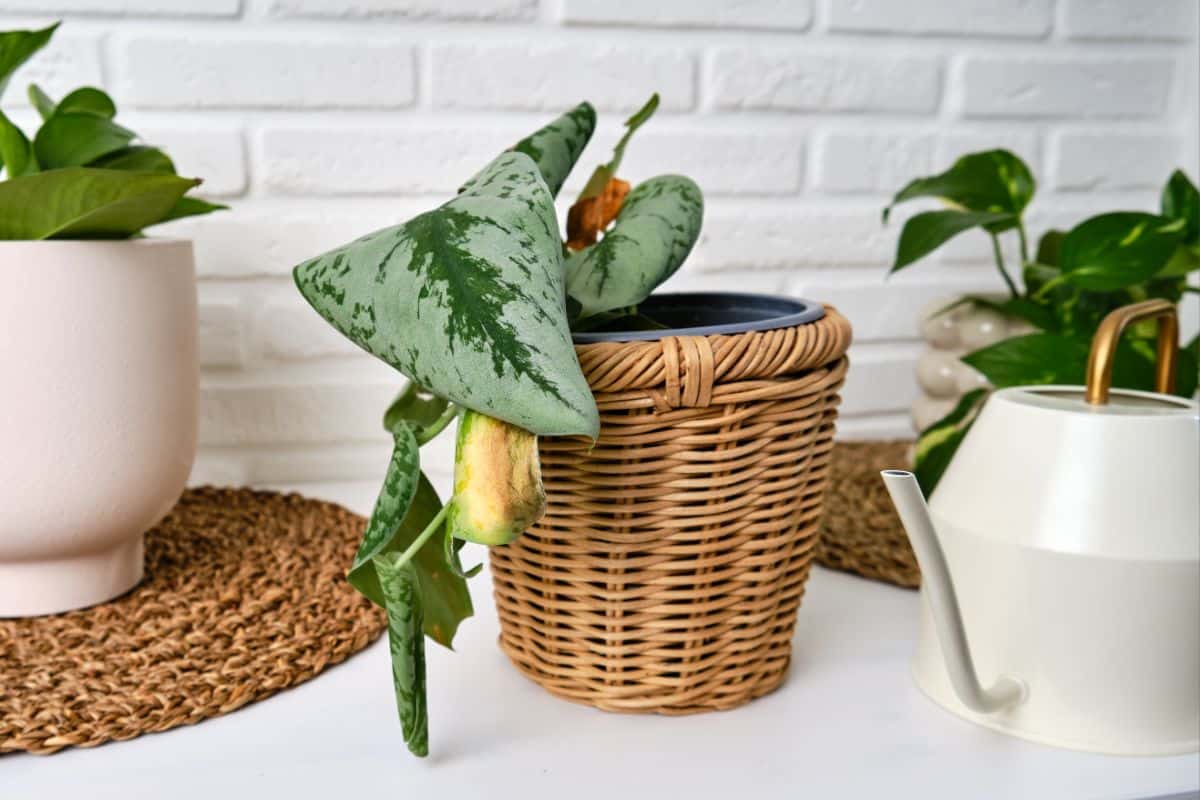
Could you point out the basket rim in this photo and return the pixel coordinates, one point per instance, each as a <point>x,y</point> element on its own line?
<point>765,312</point>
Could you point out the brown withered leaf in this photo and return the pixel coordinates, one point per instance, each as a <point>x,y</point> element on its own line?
<point>590,215</point>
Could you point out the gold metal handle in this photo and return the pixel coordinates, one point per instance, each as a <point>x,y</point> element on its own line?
<point>1104,347</point>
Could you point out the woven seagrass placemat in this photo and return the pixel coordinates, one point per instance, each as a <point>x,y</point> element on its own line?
<point>860,531</point>
<point>244,596</point>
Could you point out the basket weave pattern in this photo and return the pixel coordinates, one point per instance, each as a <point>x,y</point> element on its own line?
<point>667,571</point>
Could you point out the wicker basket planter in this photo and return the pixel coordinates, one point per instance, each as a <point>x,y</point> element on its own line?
<point>667,572</point>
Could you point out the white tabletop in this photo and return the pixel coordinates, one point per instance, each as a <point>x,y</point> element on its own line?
<point>847,723</point>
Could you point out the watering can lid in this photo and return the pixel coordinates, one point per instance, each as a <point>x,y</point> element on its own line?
<point>1119,402</point>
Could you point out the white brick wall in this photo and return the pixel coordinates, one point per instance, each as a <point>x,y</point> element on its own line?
<point>320,120</point>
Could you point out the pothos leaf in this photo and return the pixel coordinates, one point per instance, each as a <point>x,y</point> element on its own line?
<point>468,301</point>
<point>939,442</point>
<point>606,172</point>
<point>556,147</point>
<point>658,224</point>
<point>89,100</point>
<point>16,153</point>
<point>929,230</point>
<point>414,406</point>
<point>1181,200</point>
<point>76,138</point>
<point>1112,251</point>
<point>405,615</point>
<point>16,47</point>
<point>991,181</point>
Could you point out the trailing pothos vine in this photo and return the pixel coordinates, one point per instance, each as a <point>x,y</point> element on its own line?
<point>475,301</point>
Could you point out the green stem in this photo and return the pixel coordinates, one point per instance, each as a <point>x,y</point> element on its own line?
<point>1024,243</point>
<point>430,432</point>
<point>430,529</point>
<point>1012,287</point>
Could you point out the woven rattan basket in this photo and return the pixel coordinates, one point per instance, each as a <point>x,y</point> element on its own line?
<point>667,571</point>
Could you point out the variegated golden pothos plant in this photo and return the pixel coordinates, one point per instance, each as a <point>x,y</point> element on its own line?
<point>475,301</point>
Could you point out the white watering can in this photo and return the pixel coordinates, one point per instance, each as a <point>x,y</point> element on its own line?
<point>1060,561</point>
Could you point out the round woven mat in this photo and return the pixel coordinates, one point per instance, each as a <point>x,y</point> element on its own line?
<point>244,596</point>
<point>860,532</point>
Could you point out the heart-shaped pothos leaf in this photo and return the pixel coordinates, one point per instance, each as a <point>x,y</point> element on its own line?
<point>556,147</point>
<point>468,301</point>
<point>658,224</point>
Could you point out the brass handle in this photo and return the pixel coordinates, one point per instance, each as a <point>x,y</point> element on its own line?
<point>1104,347</point>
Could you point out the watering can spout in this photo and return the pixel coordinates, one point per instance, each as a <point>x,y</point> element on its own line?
<point>938,588</point>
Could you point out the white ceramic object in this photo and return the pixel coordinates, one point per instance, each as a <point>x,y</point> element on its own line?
<point>949,335</point>
<point>97,413</point>
<point>1061,592</point>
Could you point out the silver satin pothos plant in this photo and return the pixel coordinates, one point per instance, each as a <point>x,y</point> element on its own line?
<point>475,302</point>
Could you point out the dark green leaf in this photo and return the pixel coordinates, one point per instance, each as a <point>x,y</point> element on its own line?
<point>16,153</point>
<point>929,230</point>
<point>1185,259</point>
<point>1115,250</point>
<point>991,181</point>
<point>1036,314</point>
<point>939,442</point>
<point>606,172</point>
<point>86,203</point>
<point>1050,247</point>
<point>138,158</point>
<point>1040,359</point>
<point>414,406</point>
<point>41,101</point>
<point>467,300</point>
<point>190,207</point>
<point>17,46</point>
<point>75,139</point>
<point>1181,200</point>
<point>88,100</point>
<point>556,147</point>
<point>402,595</point>
<point>652,235</point>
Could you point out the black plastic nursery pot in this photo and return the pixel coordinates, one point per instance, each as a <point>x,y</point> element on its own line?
<point>669,567</point>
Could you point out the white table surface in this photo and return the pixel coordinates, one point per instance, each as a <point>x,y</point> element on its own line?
<point>847,723</point>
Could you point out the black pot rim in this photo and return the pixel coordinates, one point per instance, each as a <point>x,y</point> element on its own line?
<point>763,312</point>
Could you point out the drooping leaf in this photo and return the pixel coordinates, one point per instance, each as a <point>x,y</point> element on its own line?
<point>1181,200</point>
<point>1112,251</point>
<point>414,406</point>
<point>189,207</point>
<point>991,181</point>
<point>658,224</point>
<point>16,47</point>
<point>44,104</point>
<point>468,301</point>
<point>556,147</point>
<point>929,230</point>
<point>939,442</point>
<point>391,507</point>
<point>402,595</point>
<point>137,158</point>
<point>86,203</point>
<point>606,172</point>
<point>88,100</point>
<point>75,139</point>
<point>1050,247</point>
<point>16,152</point>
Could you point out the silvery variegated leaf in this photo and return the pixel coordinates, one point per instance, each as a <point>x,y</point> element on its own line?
<point>468,301</point>
<point>556,147</point>
<point>405,618</point>
<point>652,235</point>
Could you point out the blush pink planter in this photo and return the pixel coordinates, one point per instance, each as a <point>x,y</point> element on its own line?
<point>98,395</point>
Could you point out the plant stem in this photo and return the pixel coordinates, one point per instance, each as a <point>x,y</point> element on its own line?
<point>1024,243</point>
<point>430,529</point>
<point>1012,287</point>
<point>429,433</point>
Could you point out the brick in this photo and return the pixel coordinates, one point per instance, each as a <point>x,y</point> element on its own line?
<point>795,15</point>
<point>261,72</point>
<point>871,162</point>
<point>789,80</point>
<point>1123,19</point>
<point>882,378</point>
<point>407,9</point>
<point>962,17</point>
<point>220,331</point>
<point>70,61</point>
<point>874,427</point>
<point>556,77</point>
<point>215,154</point>
<point>120,8</point>
<point>788,239</point>
<point>287,329</point>
<point>1040,86</point>
<point>1097,161</point>
<point>259,464</point>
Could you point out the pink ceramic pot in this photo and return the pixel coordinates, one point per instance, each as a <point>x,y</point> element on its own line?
<point>98,395</point>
